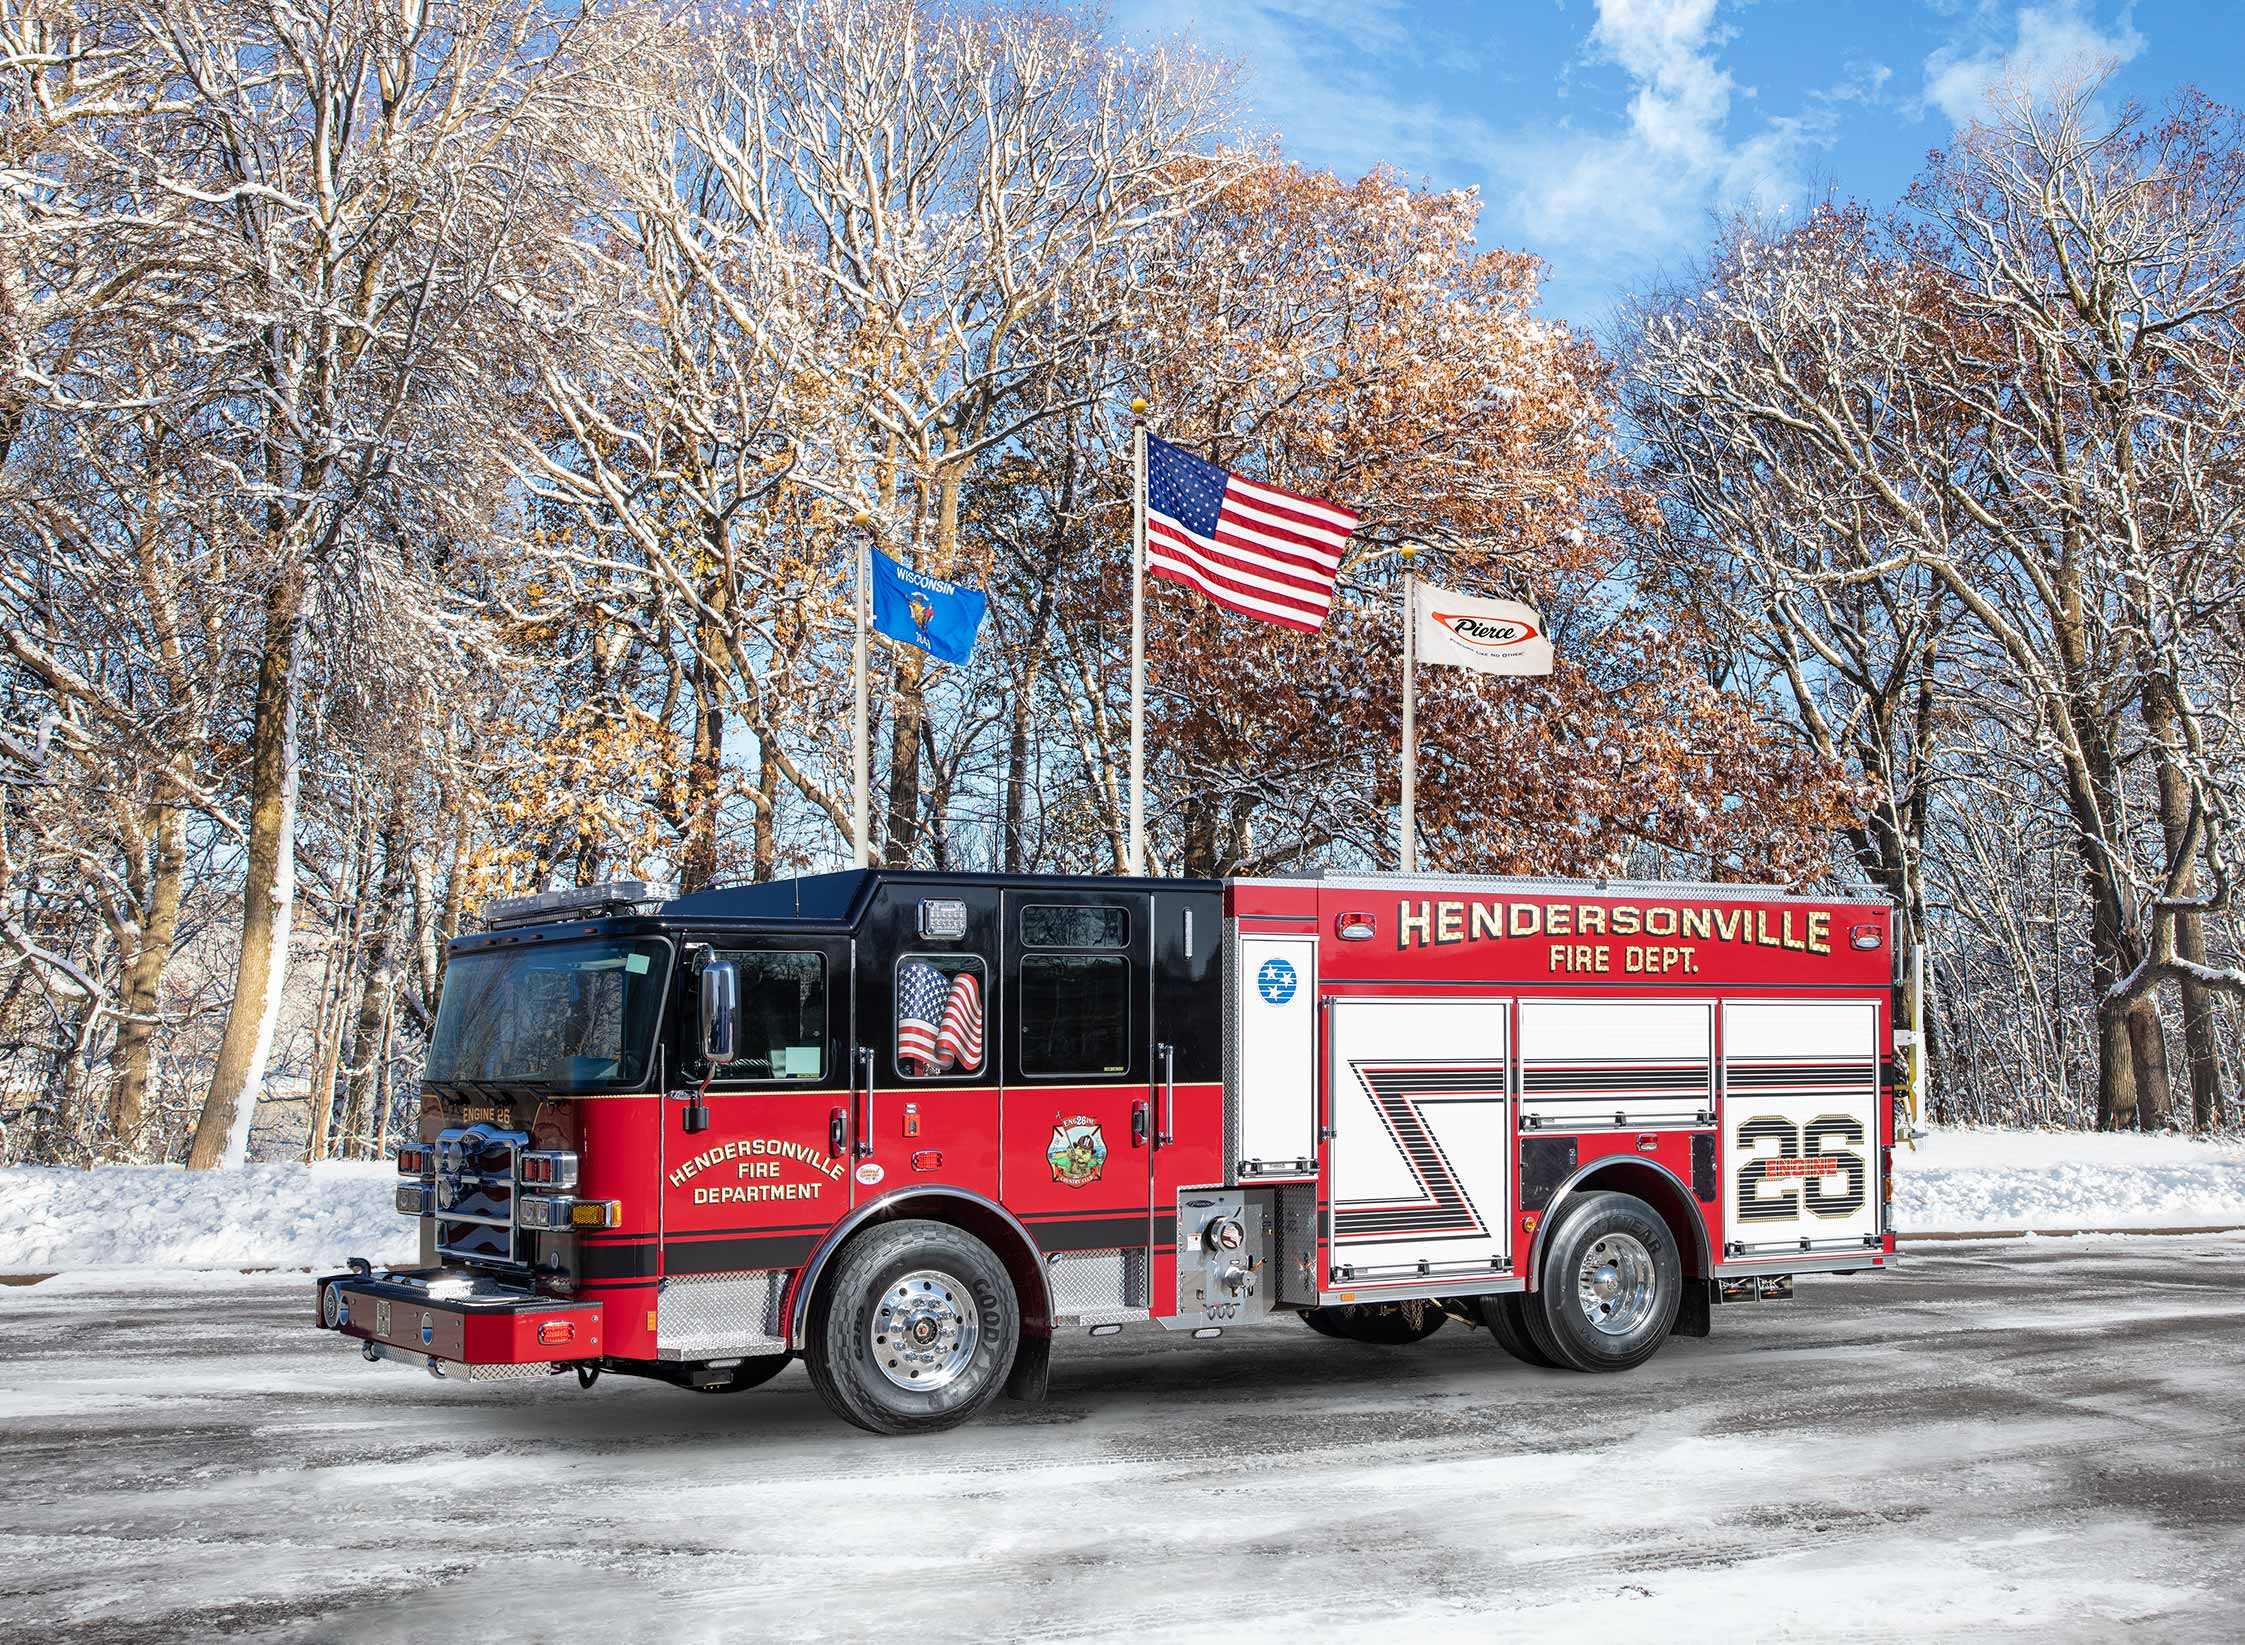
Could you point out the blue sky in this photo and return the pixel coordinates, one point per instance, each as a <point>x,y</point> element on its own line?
<point>1605,135</point>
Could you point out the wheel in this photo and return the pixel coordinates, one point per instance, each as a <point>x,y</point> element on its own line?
<point>749,1373</point>
<point>1506,1317</point>
<point>1612,1282</point>
<point>915,1330</point>
<point>1390,1323</point>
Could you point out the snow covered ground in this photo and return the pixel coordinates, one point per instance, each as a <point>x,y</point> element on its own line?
<point>261,1216</point>
<point>1955,1181</point>
<point>2030,1441</point>
<point>291,1216</point>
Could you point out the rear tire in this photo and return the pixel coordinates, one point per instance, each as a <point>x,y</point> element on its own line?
<point>1390,1324</point>
<point>749,1373</point>
<point>915,1330</point>
<point>1612,1282</point>
<point>1506,1317</point>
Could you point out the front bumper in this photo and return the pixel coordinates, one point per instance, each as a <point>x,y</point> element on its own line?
<point>456,1323</point>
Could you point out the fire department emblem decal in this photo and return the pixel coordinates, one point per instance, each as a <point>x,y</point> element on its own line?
<point>1077,1152</point>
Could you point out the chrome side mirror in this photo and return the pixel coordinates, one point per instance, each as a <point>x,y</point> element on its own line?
<point>721,1004</point>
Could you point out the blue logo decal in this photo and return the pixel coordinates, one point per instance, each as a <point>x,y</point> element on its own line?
<point>1276,981</point>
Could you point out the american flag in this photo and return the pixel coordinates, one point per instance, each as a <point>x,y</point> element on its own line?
<point>938,1020</point>
<point>1249,547</point>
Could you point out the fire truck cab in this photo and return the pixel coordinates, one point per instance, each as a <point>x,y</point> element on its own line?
<point>907,1126</point>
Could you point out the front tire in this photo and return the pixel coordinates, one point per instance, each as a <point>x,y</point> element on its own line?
<point>1612,1282</point>
<point>915,1330</point>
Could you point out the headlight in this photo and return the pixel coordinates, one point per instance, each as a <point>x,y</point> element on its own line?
<point>413,1199</point>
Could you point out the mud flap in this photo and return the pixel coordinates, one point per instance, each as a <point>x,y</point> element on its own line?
<point>1032,1369</point>
<point>1695,1312</point>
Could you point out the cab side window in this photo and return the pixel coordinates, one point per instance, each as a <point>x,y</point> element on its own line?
<point>939,1016</point>
<point>1074,1005</point>
<point>782,1034</point>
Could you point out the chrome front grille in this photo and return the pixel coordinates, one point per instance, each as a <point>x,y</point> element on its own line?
<point>478,1196</point>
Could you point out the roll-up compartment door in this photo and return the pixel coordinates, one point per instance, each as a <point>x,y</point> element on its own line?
<point>1800,1124</point>
<point>1606,1065</point>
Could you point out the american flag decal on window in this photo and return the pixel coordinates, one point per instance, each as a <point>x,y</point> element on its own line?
<point>938,1020</point>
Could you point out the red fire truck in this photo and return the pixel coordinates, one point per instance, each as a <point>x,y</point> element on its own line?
<point>907,1126</point>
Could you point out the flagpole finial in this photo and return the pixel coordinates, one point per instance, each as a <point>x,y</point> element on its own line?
<point>861,519</point>
<point>1138,408</point>
<point>1409,551</point>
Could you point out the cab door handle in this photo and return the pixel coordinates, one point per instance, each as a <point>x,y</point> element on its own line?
<point>1138,1120</point>
<point>865,1095</point>
<point>836,1127</point>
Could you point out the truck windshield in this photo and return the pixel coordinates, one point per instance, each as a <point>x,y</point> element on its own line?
<point>569,1014</point>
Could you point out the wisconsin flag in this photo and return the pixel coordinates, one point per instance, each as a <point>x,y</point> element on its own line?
<point>940,618</point>
<point>1494,636</point>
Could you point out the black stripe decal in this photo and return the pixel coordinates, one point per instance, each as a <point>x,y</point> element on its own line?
<point>728,1256</point>
<point>1092,1233</point>
<point>598,1263</point>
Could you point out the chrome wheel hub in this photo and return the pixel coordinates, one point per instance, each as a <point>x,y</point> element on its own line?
<point>1615,1285</point>
<point>924,1329</point>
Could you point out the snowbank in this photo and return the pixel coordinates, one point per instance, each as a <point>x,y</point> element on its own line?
<point>1958,1181</point>
<point>260,1216</point>
<point>293,1216</point>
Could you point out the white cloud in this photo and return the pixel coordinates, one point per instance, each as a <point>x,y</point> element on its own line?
<point>2050,45</point>
<point>1619,195</point>
<point>1330,75</point>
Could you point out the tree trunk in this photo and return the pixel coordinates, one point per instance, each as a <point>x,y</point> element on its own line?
<point>705,766</point>
<point>370,1035</point>
<point>135,1052</point>
<point>2116,1080</point>
<point>764,843</point>
<point>268,888</point>
<point>2147,1047</point>
<point>2200,1044</point>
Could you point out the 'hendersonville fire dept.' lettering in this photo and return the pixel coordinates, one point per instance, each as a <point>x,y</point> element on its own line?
<point>1434,924</point>
<point>757,1157</point>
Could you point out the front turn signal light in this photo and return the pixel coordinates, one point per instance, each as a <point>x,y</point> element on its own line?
<point>596,1213</point>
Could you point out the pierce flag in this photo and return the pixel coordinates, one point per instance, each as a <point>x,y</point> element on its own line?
<point>1493,636</point>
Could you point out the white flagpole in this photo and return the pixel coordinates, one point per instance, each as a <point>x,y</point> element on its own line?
<point>1137,863</point>
<point>860,776</point>
<point>1410,852</point>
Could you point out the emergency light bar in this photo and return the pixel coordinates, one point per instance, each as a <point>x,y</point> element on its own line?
<point>581,899</point>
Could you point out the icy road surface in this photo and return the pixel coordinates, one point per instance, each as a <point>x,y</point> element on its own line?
<point>2040,1440</point>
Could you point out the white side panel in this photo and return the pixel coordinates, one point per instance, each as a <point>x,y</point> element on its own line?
<point>1422,1158</point>
<point>1274,1075</point>
<point>1604,1065</point>
<point>1800,1124</point>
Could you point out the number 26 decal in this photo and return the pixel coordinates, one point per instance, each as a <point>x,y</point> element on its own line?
<point>1774,1183</point>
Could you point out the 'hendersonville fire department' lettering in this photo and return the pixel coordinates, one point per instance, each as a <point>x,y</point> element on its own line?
<point>1438,923</point>
<point>757,1157</point>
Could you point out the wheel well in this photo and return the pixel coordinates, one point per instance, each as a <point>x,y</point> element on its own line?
<point>1656,1185</point>
<point>970,1213</point>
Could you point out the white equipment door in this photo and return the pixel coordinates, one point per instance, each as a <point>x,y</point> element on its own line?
<point>1422,1146</point>
<point>1800,1124</point>
<point>1272,1078</point>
